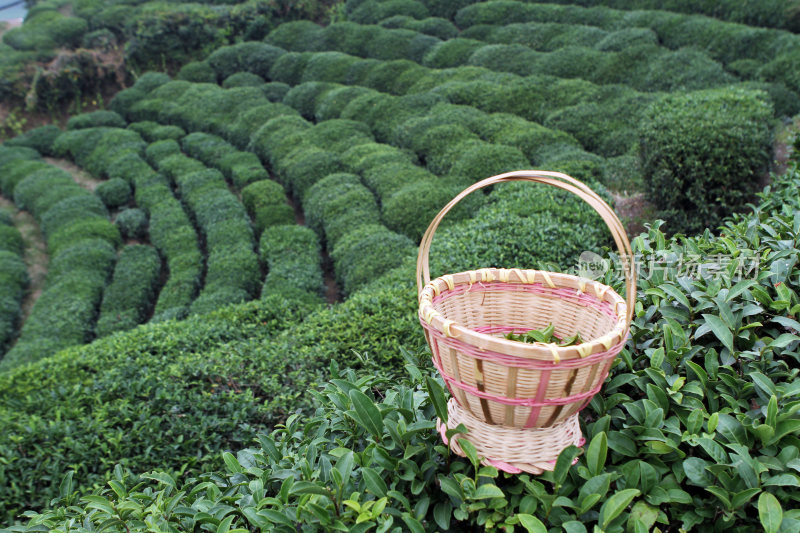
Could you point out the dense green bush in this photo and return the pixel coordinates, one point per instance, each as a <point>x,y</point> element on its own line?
<point>114,193</point>
<point>254,57</point>
<point>132,223</point>
<point>366,253</point>
<point>304,97</point>
<point>47,30</point>
<point>703,154</point>
<point>266,204</point>
<point>130,296</point>
<point>303,167</point>
<point>248,122</point>
<point>240,168</point>
<point>40,139</point>
<point>330,104</point>
<point>338,204</point>
<point>13,279</point>
<point>96,119</point>
<point>197,71</point>
<point>242,79</point>
<point>292,256</point>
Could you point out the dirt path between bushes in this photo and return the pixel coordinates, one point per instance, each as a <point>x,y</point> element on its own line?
<point>81,177</point>
<point>34,255</point>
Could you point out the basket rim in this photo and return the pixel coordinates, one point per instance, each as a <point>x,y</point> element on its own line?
<point>550,280</point>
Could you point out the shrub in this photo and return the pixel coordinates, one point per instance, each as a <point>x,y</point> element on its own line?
<point>337,204</point>
<point>362,157</point>
<point>10,239</point>
<point>410,209</point>
<point>242,79</point>
<point>330,104</point>
<point>289,67</point>
<point>303,97</point>
<point>686,142</point>
<point>386,76</point>
<point>90,227</point>
<point>275,91</point>
<point>132,223</point>
<point>387,178</point>
<point>129,297</point>
<point>292,254</point>
<point>266,204</point>
<point>197,72</point>
<point>304,167</point>
<point>451,53</point>
<point>40,139</point>
<point>329,67</point>
<point>114,193</point>
<point>96,119</point>
<point>158,151</point>
<point>297,36</point>
<point>620,40</point>
<point>366,253</point>
<point>248,122</point>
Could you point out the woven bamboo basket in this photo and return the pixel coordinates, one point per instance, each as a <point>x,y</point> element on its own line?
<point>520,400</point>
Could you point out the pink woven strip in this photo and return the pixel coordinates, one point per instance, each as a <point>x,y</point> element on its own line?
<point>523,402</point>
<point>585,299</point>
<point>544,381</point>
<point>520,362</point>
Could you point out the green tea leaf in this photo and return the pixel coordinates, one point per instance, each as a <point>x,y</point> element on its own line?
<point>375,484</point>
<point>596,453</point>
<point>614,506</point>
<point>369,416</point>
<point>531,523</point>
<point>720,330</point>
<point>488,491</point>
<point>437,397</point>
<point>770,512</point>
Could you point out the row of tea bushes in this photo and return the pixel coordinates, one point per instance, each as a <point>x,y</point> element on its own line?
<point>308,160</point>
<point>81,243</point>
<point>767,13</point>
<point>754,53</point>
<point>239,168</point>
<point>13,274</point>
<point>46,30</point>
<point>129,298</point>
<point>169,227</point>
<point>153,131</point>
<point>267,205</point>
<point>232,272</point>
<point>292,255</point>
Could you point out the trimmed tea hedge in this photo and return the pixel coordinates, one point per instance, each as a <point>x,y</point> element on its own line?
<point>13,279</point>
<point>704,154</point>
<point>129,297</point>
<point>266,204</point>
<point>292,256</point>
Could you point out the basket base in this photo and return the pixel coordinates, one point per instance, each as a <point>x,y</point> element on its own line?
<point>512,450</point>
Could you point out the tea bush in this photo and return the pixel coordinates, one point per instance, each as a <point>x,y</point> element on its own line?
<point>40,139</point>
<point>132,223</point>
<point>367,252</point>
<point>242,79</point>
<point>153,131</point>
<point>687,142</point>
<point>114,193</point>
<point>13,279</point>
<point>128,299</point>
<point>198,72</point>
<point>292,256</point>
<point>266,204</point>
<point>338,204</point>
<point>96,119</point>
<point>371,11</point>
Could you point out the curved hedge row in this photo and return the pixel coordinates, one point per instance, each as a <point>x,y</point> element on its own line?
<point>46,30</point>
<point>129,298</point>
<point>81,242</point>
<point>266,204</point>
<point>292,256</point>
<point>232,272</point>
<point>170,229</point>
<point>240,168</point>
<point>13,277</point>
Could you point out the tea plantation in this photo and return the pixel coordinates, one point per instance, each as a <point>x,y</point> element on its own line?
<point>223,336</point>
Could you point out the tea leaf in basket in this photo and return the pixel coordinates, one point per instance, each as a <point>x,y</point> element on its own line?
<point>547,335</point>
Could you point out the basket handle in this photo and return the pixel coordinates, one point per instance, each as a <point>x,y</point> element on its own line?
<point>556,179</point>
